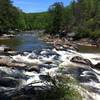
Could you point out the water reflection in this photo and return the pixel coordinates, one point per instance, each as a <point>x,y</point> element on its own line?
<point>25,42</point>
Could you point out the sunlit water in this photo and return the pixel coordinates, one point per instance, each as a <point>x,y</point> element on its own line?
<point>27,41</point>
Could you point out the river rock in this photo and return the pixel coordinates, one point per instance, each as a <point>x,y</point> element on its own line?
<point>97,66</point>
<point>9,82</point>
<point>24,97</point>
<point>80,60</point>
<point>11,72</point>
<point>33,68</point>
<point>7,61</point>
<point>4,48</point>
<point>83,75</point>
<point>12,52</point>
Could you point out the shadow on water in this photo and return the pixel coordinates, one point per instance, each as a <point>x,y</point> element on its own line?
<point>25,42</point>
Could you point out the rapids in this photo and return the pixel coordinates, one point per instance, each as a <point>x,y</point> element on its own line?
<point>51,62</point>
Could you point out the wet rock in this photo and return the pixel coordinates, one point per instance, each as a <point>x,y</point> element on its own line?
<point>48,66</point>
<point>45,77</point>
<point>81,60</point>
<point>8,35</point>
<point>83,75</point>
<point>7,61</point>
<point>33,68</point>
<point>97,66</point>
<point>24,97</point>
<point>4,48</point>
<point>12,52</point>
<point>88,76</point>
<point>9,72</point>
<point>9,82</point>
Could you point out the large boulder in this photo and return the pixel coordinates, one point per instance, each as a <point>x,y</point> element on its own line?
<point>81,74</point>
<point>97,66</point>
<point>9,82</point>
<point>80,60</point>
<point>7,61</point>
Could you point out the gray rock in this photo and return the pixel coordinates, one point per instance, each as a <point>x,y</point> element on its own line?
<point>97,66</point>
<point>81,60</point>
<point>7,61</point>
<point>33,68</point>
<point>9,82</point>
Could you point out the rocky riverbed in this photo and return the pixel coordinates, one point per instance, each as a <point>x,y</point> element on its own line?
<point>23,74</point>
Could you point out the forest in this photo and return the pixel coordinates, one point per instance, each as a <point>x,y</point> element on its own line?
<point>81,17</point>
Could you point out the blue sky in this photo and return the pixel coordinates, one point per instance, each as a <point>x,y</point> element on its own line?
<point>36,5</point>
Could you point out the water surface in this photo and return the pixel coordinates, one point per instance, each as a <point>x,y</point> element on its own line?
<point>89,49</point>
<point>26,41</point>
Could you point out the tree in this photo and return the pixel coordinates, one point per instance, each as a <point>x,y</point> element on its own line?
<point>56,15</point>
<point>8,16</point>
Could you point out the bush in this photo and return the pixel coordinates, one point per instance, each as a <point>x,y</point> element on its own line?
<point>63,89</point>
<point>95,34</point>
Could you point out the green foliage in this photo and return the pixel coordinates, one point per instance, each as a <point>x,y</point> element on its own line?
<point>8,15</point>
<point>81,17</point>
<point>86,12</point>
<point>63,89</point>
<point>95,34</point>
<point>36,20</point>
<point>56,18</point>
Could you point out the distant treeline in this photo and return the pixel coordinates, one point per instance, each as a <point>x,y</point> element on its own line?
<point>12,18</point>
<point>81,17</point>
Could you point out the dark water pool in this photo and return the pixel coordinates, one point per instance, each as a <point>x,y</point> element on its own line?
<point>25,42</point>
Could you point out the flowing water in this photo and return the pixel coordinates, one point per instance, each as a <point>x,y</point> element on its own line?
<point>26,41</point>
<point>49,61</point>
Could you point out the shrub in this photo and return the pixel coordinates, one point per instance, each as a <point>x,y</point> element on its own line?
<point>63,89</point>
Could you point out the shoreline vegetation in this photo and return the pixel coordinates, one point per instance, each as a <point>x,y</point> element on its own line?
<point>81,17</point>
<point>78,23</point>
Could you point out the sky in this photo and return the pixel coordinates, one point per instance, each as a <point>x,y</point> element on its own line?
<point>36,5</point>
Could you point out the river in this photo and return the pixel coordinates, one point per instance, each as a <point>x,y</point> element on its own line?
<point>26,41</point>
<point>46,61</point>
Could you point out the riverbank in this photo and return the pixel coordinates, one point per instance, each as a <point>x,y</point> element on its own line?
<point>7,36</point>
<point>69,42</point>
<point>56,41</point>
<point>59,42</point>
